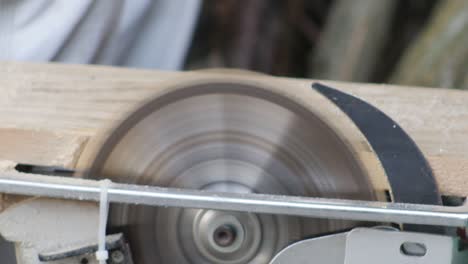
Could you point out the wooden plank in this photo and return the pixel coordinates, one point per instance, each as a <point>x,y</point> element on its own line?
<point>70,98</point>
<point>436,119</point>
<point>58,107</point>
<point>42,147</point>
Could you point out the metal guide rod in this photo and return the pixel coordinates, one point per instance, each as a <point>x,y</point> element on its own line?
<point>89,190</point>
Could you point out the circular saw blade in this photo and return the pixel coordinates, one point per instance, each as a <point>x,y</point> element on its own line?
<point>232,137</point>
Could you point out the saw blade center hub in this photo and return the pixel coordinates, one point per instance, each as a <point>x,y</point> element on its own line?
<point>225,235</point>
<point>222,235</point>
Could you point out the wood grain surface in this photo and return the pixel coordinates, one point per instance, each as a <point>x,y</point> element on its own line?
<point>48,112</point>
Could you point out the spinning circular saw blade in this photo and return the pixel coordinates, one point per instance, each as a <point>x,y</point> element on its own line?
<point>225,137</point>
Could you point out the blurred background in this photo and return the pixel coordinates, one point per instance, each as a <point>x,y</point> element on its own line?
<point>410,42</point>
<point>407,42</point>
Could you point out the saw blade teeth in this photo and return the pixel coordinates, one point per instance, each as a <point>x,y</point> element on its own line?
<point>233,138</point>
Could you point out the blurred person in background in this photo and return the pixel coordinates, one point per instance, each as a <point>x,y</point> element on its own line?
<point>132,33</point>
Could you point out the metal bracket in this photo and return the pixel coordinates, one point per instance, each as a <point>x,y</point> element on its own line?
<point>119,252</point>
<point>369,246</point>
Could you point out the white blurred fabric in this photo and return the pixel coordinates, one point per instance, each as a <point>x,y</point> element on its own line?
<point>132,33</point>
